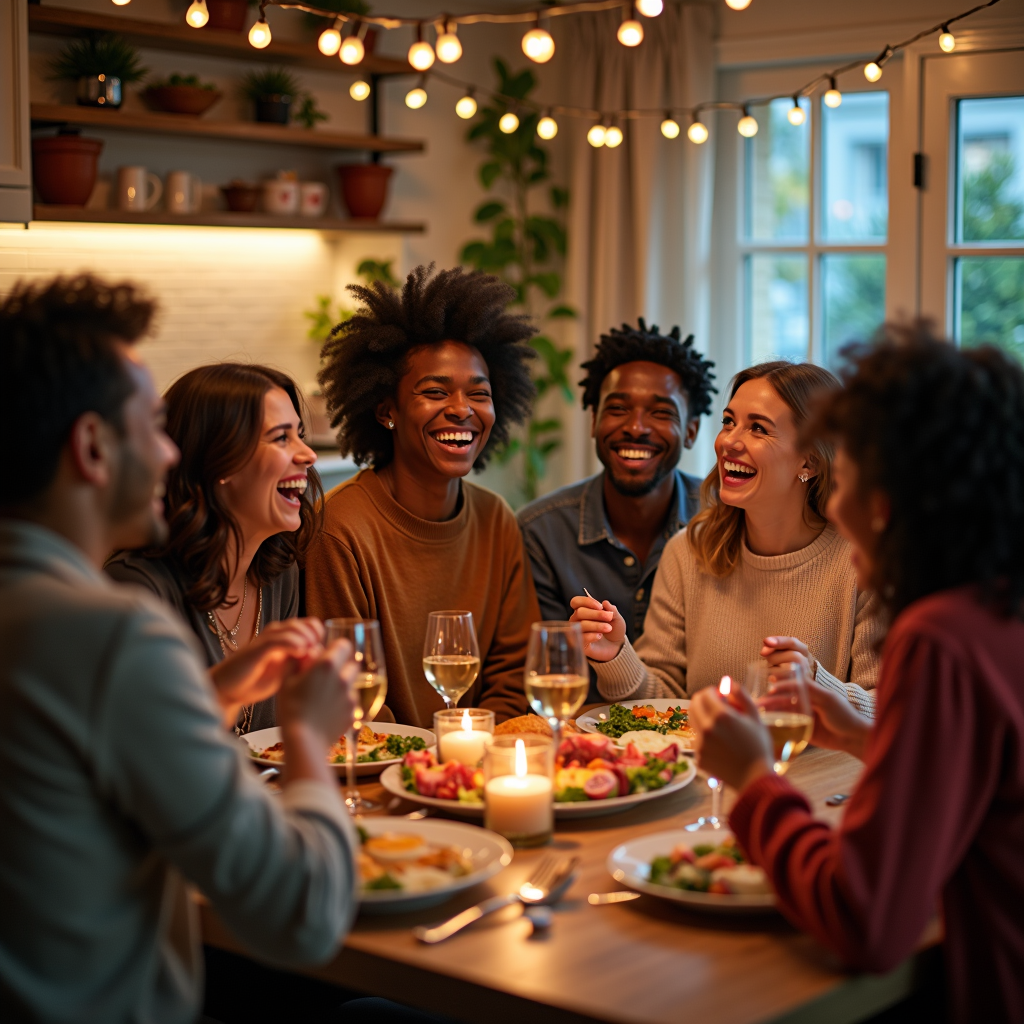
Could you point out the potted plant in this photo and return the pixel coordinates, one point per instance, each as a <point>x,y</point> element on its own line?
<point>228,15</point>
<point>364,187</point>
<point>64,167</point>
<point>272,91</point>
<point>181,94</point>
<point>102,63</point>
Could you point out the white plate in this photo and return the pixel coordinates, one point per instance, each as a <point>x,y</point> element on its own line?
<point>630,864</point>
<point>391,780</point>
<point>263,738</point>
<point>595,716</point>
<point>488,851</point>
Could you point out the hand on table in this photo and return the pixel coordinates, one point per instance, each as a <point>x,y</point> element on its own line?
<point>604,629</point>
<point>838,725</point>
<point>732,743</point>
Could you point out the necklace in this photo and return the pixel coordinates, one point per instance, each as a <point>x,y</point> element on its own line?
<point>224,638</point>
<point>230,634</point>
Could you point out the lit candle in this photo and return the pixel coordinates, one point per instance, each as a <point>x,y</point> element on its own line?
<point>466,745</point>
<point>725,686</point>
<point>520,804</point>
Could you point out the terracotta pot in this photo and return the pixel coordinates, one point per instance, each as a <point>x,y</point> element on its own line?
<point>230,15</point>
<point>364,187</point>
<point>181,99</point>
<point>64,168</point>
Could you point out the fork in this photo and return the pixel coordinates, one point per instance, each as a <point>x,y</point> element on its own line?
<point>545,885</point>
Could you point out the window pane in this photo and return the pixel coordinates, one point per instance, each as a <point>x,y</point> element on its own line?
<point>778,161</point>
<point>853,300</point>
<point>990,302</point>
<point>855,150</point>
<point>776,307</point>
<point>990,170</point>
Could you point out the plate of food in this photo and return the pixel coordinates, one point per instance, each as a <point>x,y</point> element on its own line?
<point>378,745</point>
<point>669,717</point>
<point>705,869</point>
<point>408,865</point>
<point>593,776</point>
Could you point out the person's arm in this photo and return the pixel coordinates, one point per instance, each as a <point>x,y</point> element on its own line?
<point>554,605</point>
<point>868,630</point>
<point>333,583</point>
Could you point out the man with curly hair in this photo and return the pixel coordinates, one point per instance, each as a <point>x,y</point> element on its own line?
<point>647,392</point>
<point>422,384</point>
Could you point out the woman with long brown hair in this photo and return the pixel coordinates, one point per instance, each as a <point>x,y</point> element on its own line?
<point>759,571</point>
<point>241,507</point>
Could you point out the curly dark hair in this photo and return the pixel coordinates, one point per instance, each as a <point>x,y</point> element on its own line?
<point>940,430</point>
<point>643,344</point>
<point>364,358</point>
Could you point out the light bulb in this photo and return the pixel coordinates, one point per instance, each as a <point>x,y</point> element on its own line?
<point>872,72</point>
<point>738,5</point>
<point>747,126</point>
<point>259,34</point>
<point>650,8</point>
<point>416,98</point>
<point>547,127</point>
<point>352,50</point>
<point>121,3</point>
<point>197,15</point>
<point>613,137</point>
<point>670,128</point>
<point>466,107</point>
<point>359,91</point>
<point>508,123</point>
<point>421,55</point>
<point>832,98</point>
<point>947,42</point>
<point>329,42</point>
<point>449,49</point>
<point>697,132</point>
<point>631,33</point>
<point>538,45</point>
<point>596,136</point>
<point>795,115</point>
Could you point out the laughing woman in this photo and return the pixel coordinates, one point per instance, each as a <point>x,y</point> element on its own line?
<point>423,384</point>
<point>758,572</point>
<point>240,508</point>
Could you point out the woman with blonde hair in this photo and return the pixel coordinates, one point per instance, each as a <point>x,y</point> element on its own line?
<point>759,571</point>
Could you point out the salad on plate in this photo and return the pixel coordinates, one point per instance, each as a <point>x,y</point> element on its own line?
<point>408,862</point>
<point>720,868</point>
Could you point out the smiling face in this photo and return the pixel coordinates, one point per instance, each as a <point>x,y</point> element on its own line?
<point>641,426</point>
<point>443,412</point>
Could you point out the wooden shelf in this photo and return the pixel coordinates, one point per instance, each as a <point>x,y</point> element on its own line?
<point>198,127</point>
<point>219,219</point>
<point>63,21</point>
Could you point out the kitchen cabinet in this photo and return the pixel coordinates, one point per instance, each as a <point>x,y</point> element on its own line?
<point>15,145</point>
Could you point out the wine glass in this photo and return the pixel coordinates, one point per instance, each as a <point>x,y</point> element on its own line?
<point>451,654</point>
<point>556,678</point>
<point>788,716</point>
<point>714,820</point>
<point>371,687</point>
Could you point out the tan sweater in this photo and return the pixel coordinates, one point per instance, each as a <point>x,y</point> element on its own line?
<point>376,560</point>
<point>700,627</point>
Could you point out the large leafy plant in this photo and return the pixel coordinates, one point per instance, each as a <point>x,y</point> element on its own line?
<point>526,248</point>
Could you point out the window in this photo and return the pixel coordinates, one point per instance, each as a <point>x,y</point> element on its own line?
<point>815,227</point>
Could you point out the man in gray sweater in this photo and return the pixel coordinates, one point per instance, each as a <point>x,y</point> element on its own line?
<point>119,785</point>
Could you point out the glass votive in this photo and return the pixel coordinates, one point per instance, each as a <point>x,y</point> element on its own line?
<point>518,791</point>
<point>463,734</point>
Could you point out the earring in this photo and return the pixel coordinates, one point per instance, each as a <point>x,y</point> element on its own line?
<point>878,524</point>
<point>223,480</point>
<point>803,478</point>
<point>391,424</point>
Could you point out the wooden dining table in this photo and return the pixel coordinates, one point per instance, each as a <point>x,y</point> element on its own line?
<point>647,961</point>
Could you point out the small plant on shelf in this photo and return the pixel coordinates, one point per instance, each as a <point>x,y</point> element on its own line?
<point>186,81</point>
<point>308,114</point>
<point>181,94</point>
<point>99,53</point>
<point>273,91</point>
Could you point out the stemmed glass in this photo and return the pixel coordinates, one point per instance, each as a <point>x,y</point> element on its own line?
<point>556,679</point>
<point>451,654</point>
<point>714,820</point>
<point>788,715</point>
<point>371,687</point>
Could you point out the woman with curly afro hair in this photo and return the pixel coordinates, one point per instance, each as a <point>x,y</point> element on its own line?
<point>422,384</point>
<point>929,492</point>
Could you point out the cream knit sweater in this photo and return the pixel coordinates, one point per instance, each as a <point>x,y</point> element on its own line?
<point>700,627</point>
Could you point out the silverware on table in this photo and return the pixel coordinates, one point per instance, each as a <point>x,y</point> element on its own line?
<point>600,899</point>
<point>546,885</point>
<point>269,773</point>
<point>836,799</point>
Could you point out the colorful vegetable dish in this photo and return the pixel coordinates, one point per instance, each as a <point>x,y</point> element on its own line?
<point>721,869</point>
<point>644,718</point>
<point>370,747</point>
<point>406,861</point>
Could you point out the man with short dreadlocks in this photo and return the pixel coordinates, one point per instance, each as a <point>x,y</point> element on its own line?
<point>647,392</point>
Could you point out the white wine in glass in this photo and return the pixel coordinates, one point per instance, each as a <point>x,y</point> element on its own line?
<point>451,654</point>
<point>556,678</point>
<point>557,695</point>
<point>788,719</point>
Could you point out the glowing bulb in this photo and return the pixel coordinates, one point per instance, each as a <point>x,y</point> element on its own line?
<point>508,123</point>
<point>670,128</point>
<point>449,49</point>
<point>359,91</point>
<point>421,55</point>
<point>650,8</point>
<point>747,126</point>
<point>547,127</point>
<point>416,98</point>
<point>738,5</point>
<point>121,3</point>
<point>596,136</point>
<point>872,72</point>
<point>259,34</point>
<point>795,115</point>
<point>631,33</point>
<point>466,107</point>
<point>832,98</point>
<point>538,45</point>
<point>352,50</point>
<point>947,42</point>
<point>613,137</point>
<point>697,132</point>
<point>197,15</point>
<point>329,42</point>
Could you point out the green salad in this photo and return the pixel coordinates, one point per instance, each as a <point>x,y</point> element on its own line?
<point>622,720</point>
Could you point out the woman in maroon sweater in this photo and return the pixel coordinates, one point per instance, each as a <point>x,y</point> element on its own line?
<point>930,492</point>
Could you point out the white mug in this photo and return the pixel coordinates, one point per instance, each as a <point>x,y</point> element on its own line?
<point>184,193</point>
<point>313,199</point>
<point>138,190</point>
<point>281,196</point>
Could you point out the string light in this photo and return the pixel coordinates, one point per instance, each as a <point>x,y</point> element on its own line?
<point>197,15</point>
<point>547,127</point>
<point>670,127</point>
<point>121,3</point>
<point>448,47</point>
<point>947,42</point>
<point>352,50</point>
<point>650,8</point>
<point>596,136</point>
<point>613,137</point>
<point>698,131</point>
<point>421,53</point>
<point>466,107</point>
<point>795,115</point>
<point>833,97</point>
<point>508,123</point>
<point>873,69</point>
<point>538,45</point>
<point>416,98</point>
<point>359,91</point>
<point>329,42</point>
<point>631,32</point>
<point>747,125</point>
<point>259,34</point>
<point>738,5</point>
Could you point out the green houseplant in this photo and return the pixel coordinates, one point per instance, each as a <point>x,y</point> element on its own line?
<point>181,94</point>
<point>101,63</point>
<point>273,91</point>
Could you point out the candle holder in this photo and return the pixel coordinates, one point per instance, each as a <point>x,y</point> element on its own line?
<point>463,734</point>
<point>518,791</point>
